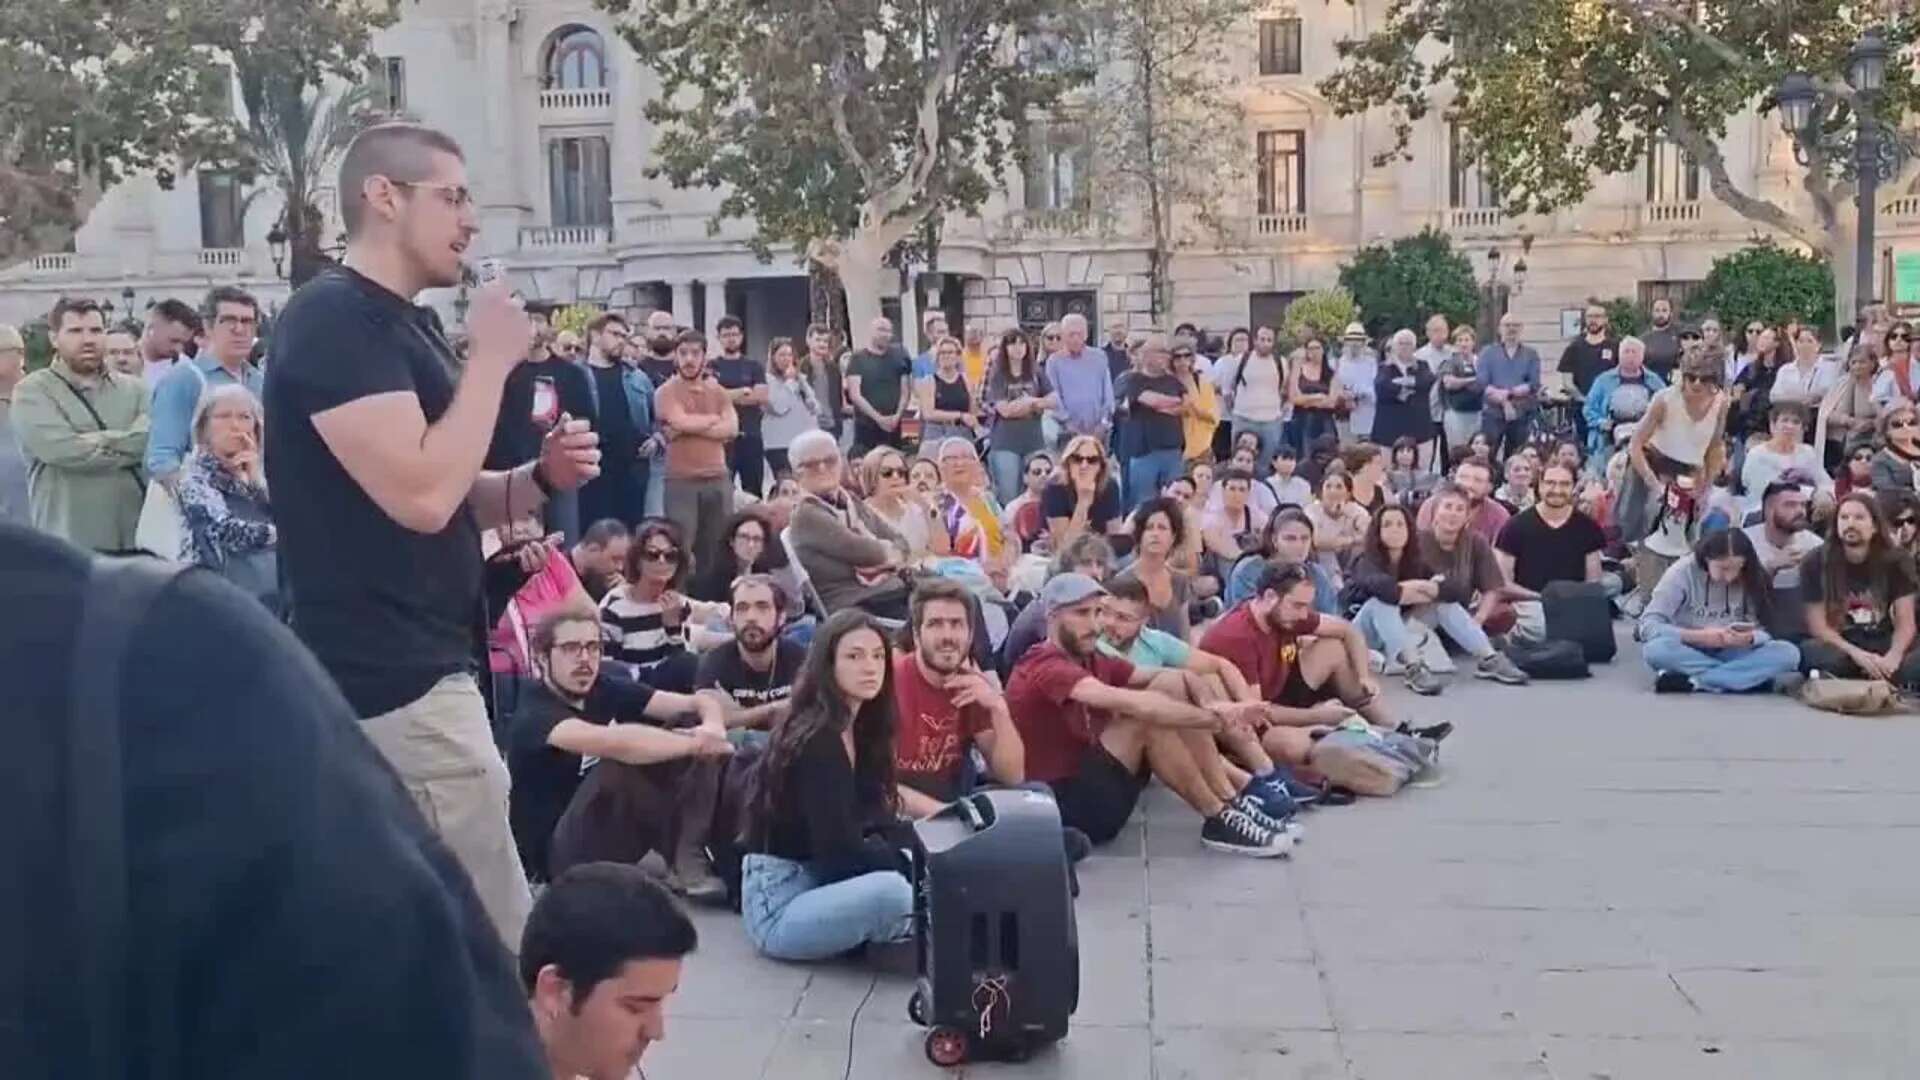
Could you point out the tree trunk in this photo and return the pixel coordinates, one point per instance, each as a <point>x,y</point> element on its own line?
<point>825,304</point>
<point>859,260</point>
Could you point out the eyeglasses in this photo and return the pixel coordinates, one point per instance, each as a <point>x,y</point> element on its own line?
<point>892,472</point>
<point>1700,380</point>
<point>660,555</point>
<point>1082,459</point>
<point>576,650</point>
<point>749,537</point>
<point>1906,423</point>
<point>811,464</point>
<point>453,195</point>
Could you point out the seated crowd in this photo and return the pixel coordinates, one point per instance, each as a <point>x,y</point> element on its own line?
<point>883,634</point>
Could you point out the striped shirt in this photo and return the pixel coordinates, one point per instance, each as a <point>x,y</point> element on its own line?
<point>635,632</point>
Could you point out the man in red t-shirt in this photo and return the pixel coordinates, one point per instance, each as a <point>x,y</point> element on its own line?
<point>945,707</point>
<point>1311,683</point>
<point>1094,725</point>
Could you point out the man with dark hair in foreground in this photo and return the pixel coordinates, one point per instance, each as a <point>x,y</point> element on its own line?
<point>284,911</point>
<point>602,954</point>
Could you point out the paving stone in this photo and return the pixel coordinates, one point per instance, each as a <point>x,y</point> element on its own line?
<point>1265,994</point>
<point>1208,1053</point>
<point>1437,998</point>
<point>1384,1056</point>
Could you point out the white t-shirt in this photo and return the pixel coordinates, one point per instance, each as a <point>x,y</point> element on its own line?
<point>1258,397</point>
<point>1355,374</point>
<point>1801,542</point>
<point>1765,465</point>
<point>1791,384</point>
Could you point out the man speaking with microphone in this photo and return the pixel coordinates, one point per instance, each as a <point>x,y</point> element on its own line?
<point>374,452</point>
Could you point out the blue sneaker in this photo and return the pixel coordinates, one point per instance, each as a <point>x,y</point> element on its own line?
<point>1300,794</point>
<point>1273,798</point>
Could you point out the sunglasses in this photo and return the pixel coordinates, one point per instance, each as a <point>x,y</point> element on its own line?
<point>1865,455</point>
<point>1082,459</point>
<point>1701,380</point>
<point>892,472</point>
<point>1899,337</point>
<point>1755,328</point>
<point>660,555</point>
<point>1907,423</point>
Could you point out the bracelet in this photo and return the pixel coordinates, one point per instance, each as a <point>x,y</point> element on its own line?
<point>540,480</point>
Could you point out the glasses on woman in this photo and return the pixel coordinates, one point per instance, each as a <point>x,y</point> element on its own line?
<point>1902,422</point>
<point>1863,456</point>
<point>1899,335</point>
<point>747,537</point>
<point>892,472</point>
<point>1693,379</point>
<point>1039,470</point>
<point>660,554</point>
<point>1083,459</point>
<point>1905,522</point>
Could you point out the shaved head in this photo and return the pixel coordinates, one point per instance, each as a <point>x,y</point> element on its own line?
<point>401,152</point>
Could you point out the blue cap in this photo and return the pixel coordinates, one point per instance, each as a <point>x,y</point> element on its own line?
<point>1067,590</point>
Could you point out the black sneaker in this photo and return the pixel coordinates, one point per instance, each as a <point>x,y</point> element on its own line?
<point>1673,682</point>
<point>1237,833</point>
<point>1077,845</point>
<point>1435,732</point>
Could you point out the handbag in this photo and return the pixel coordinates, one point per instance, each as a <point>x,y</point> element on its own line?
<point>162,530</point>
<point>1853,697</point>
<point>1550,659</point>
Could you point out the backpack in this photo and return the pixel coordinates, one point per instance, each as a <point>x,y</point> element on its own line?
<point>1579,611</point>
<point>1550,659</point>
<point>1370,762</point>
<point>725,836</point>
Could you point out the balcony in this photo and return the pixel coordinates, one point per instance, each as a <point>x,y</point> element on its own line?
<point>593,103</point>
<point>220,258</point>
<point>57,263</point>
<point>1902,208</point>
<point>1670,214</point>
<point>1276,226</point>
<point>1475,219</point>
<point>567,238</point>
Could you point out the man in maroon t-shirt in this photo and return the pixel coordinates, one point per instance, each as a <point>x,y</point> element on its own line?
<point>1094,725</point>
<point>1312,683</point>
<point>945,707</point>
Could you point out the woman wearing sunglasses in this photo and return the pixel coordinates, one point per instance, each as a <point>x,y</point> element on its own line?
<point>648,622</point>
<point>1899,431</point>
<point>1083,498</point>
<point>1681,435</point>
<point>894,501</point>
<point>1899,377</point>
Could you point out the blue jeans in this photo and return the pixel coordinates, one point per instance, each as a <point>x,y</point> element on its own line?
<point>1722,671</point>
<point>1270,433</point>
<point>1005,467</point>
<point>1385,627</point>
<point>790,915</point>
<point>656,500</point>
<point>1149,472</point>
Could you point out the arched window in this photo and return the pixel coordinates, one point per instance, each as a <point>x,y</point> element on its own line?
<point>576,60</point>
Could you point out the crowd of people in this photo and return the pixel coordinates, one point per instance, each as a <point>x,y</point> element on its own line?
<point>748,617</point>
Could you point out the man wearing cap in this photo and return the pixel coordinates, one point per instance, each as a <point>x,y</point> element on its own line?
<point>1095,726</point>
<point>1355,373</point>
<point>13,467</point>
<point>1510,372</point>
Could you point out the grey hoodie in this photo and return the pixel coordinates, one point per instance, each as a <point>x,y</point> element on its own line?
<point>1687,599</point>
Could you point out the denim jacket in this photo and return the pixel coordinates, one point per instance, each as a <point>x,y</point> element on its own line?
<point>639,395</point>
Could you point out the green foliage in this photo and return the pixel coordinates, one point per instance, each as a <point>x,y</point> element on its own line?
<point>1320,314</point>
<point>39,344</point>
<point>1624,315</point>
<point>1400,287</point>
<point>574,317</point>
<point>1769,283</point>
<point>809,117</point>
<point>94,90</point>
<point>1554,93</point>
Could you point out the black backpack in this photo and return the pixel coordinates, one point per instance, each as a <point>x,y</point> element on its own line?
<point>1549,659</point>
<point>725,836</point>
<point>1579,611</point>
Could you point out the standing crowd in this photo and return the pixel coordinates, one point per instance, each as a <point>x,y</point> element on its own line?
<point>748,616</point>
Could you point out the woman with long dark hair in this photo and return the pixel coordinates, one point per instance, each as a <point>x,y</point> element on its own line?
<point>1017,396</point>
<point>1311,392</point>
<point>749,544</point>
<point>815,883</point>
<point>1705,627</point>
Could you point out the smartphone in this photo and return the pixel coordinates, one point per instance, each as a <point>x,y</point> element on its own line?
<point>546,401</point>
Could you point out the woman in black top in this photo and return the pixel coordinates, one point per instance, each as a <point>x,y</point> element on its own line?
<point>1311,391</point>
<point>815,882</point>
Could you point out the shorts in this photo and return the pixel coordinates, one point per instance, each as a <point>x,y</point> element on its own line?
<point>1099,798</point>
<point>1296,694</point>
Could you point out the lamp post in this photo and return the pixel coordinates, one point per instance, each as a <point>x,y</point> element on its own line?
<point>277,247</point>
<point>1876,153</point>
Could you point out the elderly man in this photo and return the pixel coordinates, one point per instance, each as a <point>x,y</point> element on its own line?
<point>851,556</point>
<point>1154,400</point>
<point>1404,385</point>
<point>1616,397</point>
<point>82,430</point>
<point>1083,380</point>
<point>1510,371</point>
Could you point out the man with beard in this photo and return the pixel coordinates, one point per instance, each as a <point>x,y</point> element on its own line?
<point>1617,397</point>
<point>1858,595</point>
<point>621,403</point>
<point>600,555</point>
<point>1663,340</point>
<point>662,336</point>
<point>1552,541</point>
<point>945,707</point>
<point>83,432</point>
<point>754,672</point>
<point>607,768</point>
<point>1781,537</point>
<point>699,420</point>
<point>827,375</point>
<point>171,325</point>
<point>1485,517</point>
<point>745,381</point>
<point>1594,351</point>
<point>603,952</point>
<point>1095,726</point>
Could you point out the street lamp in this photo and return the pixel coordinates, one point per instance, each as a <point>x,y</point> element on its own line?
<point>126,294</point>
<point>277,247</point>
<point>460,304</point>
<point>1520,276</point>
<point>1877,154</point>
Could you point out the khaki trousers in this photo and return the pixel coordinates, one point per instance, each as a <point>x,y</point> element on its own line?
<point>442,747</point>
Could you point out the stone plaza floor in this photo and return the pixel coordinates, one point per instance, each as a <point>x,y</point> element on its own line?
<point>1609,885</point>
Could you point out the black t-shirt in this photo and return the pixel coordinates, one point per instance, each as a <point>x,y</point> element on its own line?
<point>618,439</point>
<point>1542,553</point>
<point>1868,612</point>
<point>1663,351</point>
<point>738,373</point>
<point>516,438</point>
<point>1057,501</point>
<point>388,611</point>
<point>1152,429</point>
<point>723,669</point>
<point>545,776</point>
<point>880,378</point>
<point>270,856</point>
<point>1585,361</point>
<point>659,369</point>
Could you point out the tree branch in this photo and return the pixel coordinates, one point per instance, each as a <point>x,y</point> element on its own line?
<point>842,131</point>
<point>1707,153</point>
